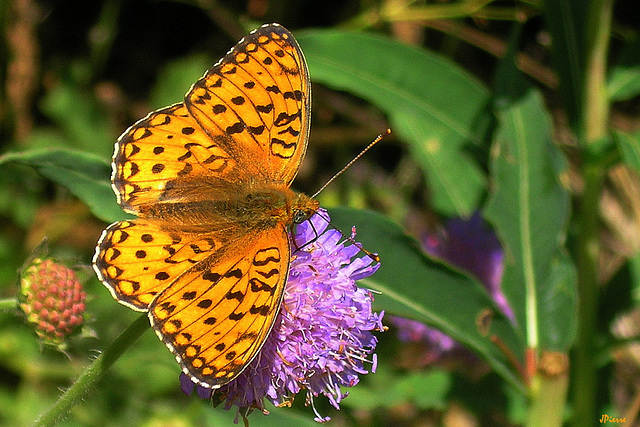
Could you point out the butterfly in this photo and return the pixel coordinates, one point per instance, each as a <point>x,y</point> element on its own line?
<point>208,179</point>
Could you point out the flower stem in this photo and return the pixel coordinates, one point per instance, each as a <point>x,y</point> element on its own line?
<point>584,364</point>
<point>94,372</point>
<point>594,130</point>
<point>547,409</point>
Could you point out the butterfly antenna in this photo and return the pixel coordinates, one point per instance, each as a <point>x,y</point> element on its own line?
<point>348,165</point>
<point>372,255</point>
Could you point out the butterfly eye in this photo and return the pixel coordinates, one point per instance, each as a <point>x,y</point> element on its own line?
<point>299,216</point>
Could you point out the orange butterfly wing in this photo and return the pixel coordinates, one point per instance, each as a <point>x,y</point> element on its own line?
<point>216,317</point>
<point>138,259</point>
<point>193,256</point>
<point>163,157</point>
<point>247,117</point>
<point>259,95</point>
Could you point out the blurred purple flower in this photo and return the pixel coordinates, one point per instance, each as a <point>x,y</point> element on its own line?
<point>322,338</point>
<point>471,246</point>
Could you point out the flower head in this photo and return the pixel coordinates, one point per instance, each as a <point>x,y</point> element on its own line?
<point>52,298</point>
<point>322,339</point>
<point>474,248</point>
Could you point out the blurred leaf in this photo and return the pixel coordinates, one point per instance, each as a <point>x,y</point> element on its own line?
<point>530,208</point>
<point>148,358</point>
<point>624,79</point>
<point>84,174</point>
<point>634,272</point>
<point>47,138</point>
<point>517,407</point>
<point>10,263</point>
<point>278,417</point>
<point>432,103</point>
<point>624,83</point>
<point>629,146</point>
<point>385,389</point>
<point>81,117</point>
<point>26,186</point>
<point>413,285</point>
<point>558,302</point>
<point>566,23</point>
<point>176,78</point>
<point>453,177</point>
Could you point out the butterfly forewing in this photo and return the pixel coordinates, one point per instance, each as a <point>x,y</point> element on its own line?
<point>164,153</point>
<point>258,97</point>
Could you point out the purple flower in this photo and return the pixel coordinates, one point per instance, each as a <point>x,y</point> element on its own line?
<point>471,246</point>
<point>322,339</point>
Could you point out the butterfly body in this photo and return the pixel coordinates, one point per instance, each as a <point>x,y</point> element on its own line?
<point>253,207</point>
<point>208,179</point>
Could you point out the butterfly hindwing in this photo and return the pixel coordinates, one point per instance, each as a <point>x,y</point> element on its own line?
<point>216,316</point>
<point>137,260</point>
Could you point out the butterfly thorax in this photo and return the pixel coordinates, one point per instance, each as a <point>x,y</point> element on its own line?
<point>266,205</point>
<point>254,207</point>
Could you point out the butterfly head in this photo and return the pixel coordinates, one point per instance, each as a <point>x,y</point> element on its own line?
<point>303,207</point>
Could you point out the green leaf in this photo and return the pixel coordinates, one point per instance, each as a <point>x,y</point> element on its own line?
<point>558,304</point>
<point>629,146</point>
<point>634,273</point>
<point>452,175</point>
<point>84,174</point>
<point>80,116</point>
<point>530,209</point>
<point>278,417</point>
<point>433,104</point>
<point>387,389</point>
<point>413,285</point>
<point>624,83</point>
<point>624,79</point>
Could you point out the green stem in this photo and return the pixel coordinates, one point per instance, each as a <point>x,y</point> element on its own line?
<point>584,378</point>
<point>94,372</point>
<point>547,410</point>
<point>594,130</point>
<point>596,107</point>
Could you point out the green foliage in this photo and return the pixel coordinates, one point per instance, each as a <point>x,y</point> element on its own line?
<point>428,390</point>
<point>435,106</point>
<point>629,146</point>
<point>176,78</point>
<point>530,209</point>
<point>624,79</point>
<point>458,146</point>
<point>84,174</point>
<point>413,285</point>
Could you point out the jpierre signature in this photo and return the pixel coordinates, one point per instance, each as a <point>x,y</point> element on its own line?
<point>607,419</point>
